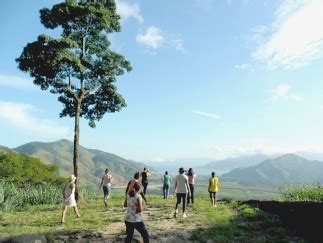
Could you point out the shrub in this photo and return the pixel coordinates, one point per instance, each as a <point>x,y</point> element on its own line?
<point>24,170</point>
<point>312,193</point>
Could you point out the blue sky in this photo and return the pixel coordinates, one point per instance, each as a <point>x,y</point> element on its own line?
<point>210,79</point>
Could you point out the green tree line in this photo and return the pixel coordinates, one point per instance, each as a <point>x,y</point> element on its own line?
<point>24,170</point>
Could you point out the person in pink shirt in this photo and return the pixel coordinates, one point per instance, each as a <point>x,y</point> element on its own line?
<point>191,182</point>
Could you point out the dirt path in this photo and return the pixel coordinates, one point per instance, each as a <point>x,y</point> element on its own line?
<point>162,228</point>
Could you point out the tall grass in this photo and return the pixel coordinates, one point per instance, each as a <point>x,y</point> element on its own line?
<point>312,193</point>
<point>13,197</point>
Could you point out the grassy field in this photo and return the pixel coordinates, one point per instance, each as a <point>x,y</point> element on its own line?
<point>227,222</point>
<point>228,190</point>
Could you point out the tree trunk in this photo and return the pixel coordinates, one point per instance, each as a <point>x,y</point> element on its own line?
<point>76,154</point>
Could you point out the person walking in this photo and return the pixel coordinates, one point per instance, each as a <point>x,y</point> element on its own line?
<point>213,188</point>
<point>69,198</point>
<point>106,183</point>
<point>133,218</point>
<point>144,179</point>
<point>130,185</point>
<point>181,189</point>
<point>191,182</point>
<point>166,179</point>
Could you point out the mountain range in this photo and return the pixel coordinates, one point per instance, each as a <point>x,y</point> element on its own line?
<point>251,169</point>
<point>288,168</point>
<point>92,162</point>
<point>233,163</point>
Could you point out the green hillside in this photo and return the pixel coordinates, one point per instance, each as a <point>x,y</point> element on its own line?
<point>288,168</point>
<point>92,162</point>
<point>4,149</point>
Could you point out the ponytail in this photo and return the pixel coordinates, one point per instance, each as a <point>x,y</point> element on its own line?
<point>132,193</point>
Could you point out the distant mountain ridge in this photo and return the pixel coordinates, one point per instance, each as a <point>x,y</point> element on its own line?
<point>288,168</point>
<point>92,164</point>
<point>238,162</point>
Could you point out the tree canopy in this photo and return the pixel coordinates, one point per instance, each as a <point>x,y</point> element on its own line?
<point>25,170</point>
<point>79,66</point>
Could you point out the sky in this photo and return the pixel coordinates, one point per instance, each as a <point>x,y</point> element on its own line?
<point>210,79</point>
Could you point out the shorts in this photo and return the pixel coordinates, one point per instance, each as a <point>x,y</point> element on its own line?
<point>212,195</point>
<point>106,190</point>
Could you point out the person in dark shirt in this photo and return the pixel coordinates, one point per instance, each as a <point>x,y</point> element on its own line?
<point>144,179</point>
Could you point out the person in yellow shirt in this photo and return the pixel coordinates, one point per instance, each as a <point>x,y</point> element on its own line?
<point>213,188</point>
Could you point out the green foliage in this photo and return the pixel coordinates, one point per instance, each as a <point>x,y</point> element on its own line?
<point>247,224</point>
<point>14,198</point>
<point>25,170</point>
<point>312,193</point>
<point>79,66</point>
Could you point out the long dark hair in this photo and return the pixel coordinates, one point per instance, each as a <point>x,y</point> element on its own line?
<point>136,188</point>
<point>136,175</point>
<point>190,172</point>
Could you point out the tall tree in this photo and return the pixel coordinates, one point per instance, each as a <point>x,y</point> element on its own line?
<point>78,66</point>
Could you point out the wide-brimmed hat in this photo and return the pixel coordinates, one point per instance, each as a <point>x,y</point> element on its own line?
<point>72,177</point>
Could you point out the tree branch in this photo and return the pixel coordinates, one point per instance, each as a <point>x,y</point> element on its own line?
<point>69,89</point>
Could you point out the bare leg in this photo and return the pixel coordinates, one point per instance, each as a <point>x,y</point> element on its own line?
<point>63,214</point>
<point>106,200</point>
<point>76,212</point>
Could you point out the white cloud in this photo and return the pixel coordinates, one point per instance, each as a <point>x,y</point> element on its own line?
<point>152,38</point>
<point>242,66</point>
<point>223,151</point>
<point>178,44</point>
<point>296,97</point>
<point>127,10</point>
<point>281,90</point>
<point>16,82</point>
<point>155,39</point>
<point>20,116</point>
<point>207,114</point>
<point>295,37</point>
